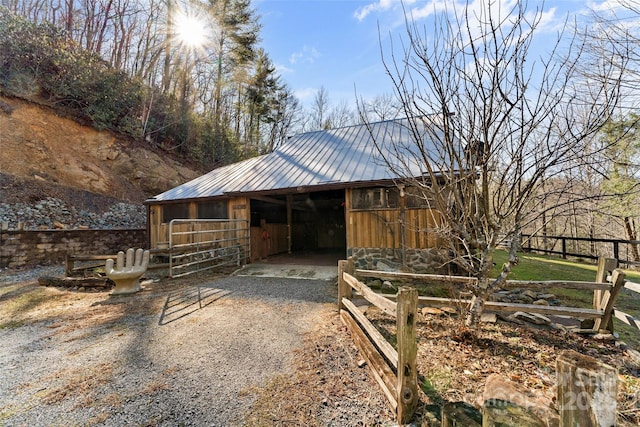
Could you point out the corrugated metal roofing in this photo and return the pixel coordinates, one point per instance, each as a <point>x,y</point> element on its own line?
<point>337,156</point>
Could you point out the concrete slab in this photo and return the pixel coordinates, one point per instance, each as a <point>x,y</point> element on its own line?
<point>291,271</point>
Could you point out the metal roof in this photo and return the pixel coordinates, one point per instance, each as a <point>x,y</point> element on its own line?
<point>339,157</point>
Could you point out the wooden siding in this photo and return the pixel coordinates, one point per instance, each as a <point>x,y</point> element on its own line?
<point>276,240</point>
<point>238,208</point>
<point>382,228</point>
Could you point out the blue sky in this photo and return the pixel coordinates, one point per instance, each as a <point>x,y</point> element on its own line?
<point>335,43</point>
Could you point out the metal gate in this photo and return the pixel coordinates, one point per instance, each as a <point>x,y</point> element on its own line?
<point>202,244</point>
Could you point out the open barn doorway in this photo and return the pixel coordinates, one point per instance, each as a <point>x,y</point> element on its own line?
<point>299,228</point>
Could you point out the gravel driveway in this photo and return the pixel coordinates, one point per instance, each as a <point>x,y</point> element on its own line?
<point>184,353</point>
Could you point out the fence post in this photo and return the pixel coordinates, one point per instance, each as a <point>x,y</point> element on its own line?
<point>587,391</point>
<point>68,265</point>
<point>616,250</point>
<point>608,300</point>
<point>344,289</point>
<point>564,248</point>
<point>605,267</point>
<point>407,388</point>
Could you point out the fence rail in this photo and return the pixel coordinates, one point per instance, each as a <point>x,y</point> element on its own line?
<point>601,312</point>
<point>197,245</point>
<point>582,247</point>
<point>396,372</point>
<point>625,317</point>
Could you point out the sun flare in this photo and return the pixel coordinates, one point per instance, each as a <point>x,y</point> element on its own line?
<point>190,30</point>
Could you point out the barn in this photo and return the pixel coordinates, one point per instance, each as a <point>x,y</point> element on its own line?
<point>326,192</point>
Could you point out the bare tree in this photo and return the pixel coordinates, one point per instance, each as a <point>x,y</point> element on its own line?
<point>341,115</point>
<point>490,123</point>
<point>320,110</point>
<point>382,107</point>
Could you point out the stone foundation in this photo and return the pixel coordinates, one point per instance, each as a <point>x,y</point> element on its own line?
<point>424,261</point>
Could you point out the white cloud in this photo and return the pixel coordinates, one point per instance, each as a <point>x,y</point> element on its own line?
<point>606,6</point>
<point>307,55</point>
<point>380,5</point>
<point>428,9</point>
<point>283,69</point>
<point>623,13</point>
<point>305,94</point>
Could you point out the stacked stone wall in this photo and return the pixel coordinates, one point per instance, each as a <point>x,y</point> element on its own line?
<point>20,248</point>
<point>424,261</point>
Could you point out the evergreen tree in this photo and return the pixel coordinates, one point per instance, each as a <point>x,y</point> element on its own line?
<point>622,184</point>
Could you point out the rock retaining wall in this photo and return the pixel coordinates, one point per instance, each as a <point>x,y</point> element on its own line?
<point>45,247</point>
<point>55,213</point>
<point>424,261</point>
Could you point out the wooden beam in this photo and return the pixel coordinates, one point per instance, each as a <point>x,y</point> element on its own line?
<point>381,372</point>
<point>587,313</point>
<point>270,200</point>
<point>289,221</point>
<point>605,267</point>
<point>407,388</point>
<point>528,284</point>
<point>380,342</point>
<point>415,276</point>
<point>608,300</point>
<point>632,286</point>
<point>344,290</point>
<point>627,318</point>
<point>378,300</point>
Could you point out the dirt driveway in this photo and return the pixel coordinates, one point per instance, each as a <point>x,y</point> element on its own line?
<point>202,351</point>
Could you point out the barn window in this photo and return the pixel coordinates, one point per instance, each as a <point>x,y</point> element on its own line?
<point>213,210</point>
<point>175,211</point>
<point>415,198</point>
<point>375,198</point>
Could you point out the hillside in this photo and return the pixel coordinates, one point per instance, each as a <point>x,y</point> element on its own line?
<point>44,155</point>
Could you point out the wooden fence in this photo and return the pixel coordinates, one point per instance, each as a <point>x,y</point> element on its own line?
<point>395,370</point>
<point>605,265</point>
<point>607,287</point>
<point>582,247</point>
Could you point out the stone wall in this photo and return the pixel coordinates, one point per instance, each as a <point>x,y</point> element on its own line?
<point>424,261</point>
<point>46,247</point>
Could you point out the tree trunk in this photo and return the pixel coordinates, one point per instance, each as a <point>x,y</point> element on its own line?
<point>475,311</point>
<point>631,235</point>
<point>166,73</point>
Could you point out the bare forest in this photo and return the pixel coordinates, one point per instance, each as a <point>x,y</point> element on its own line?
<point>203,86</point>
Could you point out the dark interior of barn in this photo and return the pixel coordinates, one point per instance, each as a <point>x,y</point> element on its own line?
<point>317,220</point>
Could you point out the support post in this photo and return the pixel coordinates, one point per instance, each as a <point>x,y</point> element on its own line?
<point>344,289</point>
<point>289,221</point>
<point>587,391</point>
<point>407,389</point>
<point>605,267</point>
<point>608,300</point>
<point>68,265</point>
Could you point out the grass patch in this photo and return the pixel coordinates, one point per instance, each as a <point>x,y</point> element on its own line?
<point>17,302</point>
<point>11,324</point>
<point>82,382</point>
<point>540,267</point>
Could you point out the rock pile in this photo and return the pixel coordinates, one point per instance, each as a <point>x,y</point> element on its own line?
<point>53,213</point>
<point>525,296</point>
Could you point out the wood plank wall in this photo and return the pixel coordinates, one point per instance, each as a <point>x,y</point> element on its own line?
<point>276,241</point>
<point>382,228</point>
<point>238,208</point>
